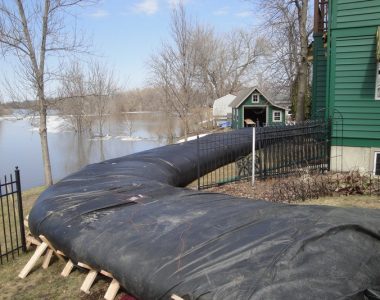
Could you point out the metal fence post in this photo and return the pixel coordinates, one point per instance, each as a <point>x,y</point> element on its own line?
<point>253,154</point>
<point>20,209</point>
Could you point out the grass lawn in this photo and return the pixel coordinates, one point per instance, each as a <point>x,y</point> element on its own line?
<point>45,284</point>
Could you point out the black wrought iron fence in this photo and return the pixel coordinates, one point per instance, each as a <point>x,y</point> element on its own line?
<point>280,150</point>
<point>12,232</point>
<point>231,166</point>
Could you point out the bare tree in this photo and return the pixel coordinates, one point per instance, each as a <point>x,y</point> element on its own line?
<point>302,9</point>
<point>33,31</point>
<point>174,68</point>
<point>73,97</point>
<point>102,86</point>
<point>227,63</point>
<point>287,26</point>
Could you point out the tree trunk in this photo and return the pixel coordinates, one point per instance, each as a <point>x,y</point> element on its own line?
<point>303,74</point>
<point>44,145</point>
<point>185,127</point>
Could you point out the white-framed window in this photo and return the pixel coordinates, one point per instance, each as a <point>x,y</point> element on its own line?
<point>277,116</point>
<point>255,98</point>
<point>377,90</point>
<point>376,164</point>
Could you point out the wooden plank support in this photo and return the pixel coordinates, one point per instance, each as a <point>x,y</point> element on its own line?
<point>112,290</point>
<point>45,240</point>
<point>33,260</point>
<point>33,240</point>
<point>67,269</point>
<point>87,283</point>
<point>84,266</point>
<point>175,297</point>
<point>107,274</point>
<point>47,258</point>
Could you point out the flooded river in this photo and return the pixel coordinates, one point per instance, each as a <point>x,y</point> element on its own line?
<point>69,151</point>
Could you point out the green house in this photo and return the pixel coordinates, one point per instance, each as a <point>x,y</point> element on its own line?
<point>346,80</point>
<point>252,108</point>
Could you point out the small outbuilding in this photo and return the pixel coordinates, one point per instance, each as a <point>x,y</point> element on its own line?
<point>253,108</point>
<point>221,109</point>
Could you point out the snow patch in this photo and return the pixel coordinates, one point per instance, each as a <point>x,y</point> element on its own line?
<point>191,138</point>
<point>127,138</point>
<point>54,124</point>
<point>101,138</point>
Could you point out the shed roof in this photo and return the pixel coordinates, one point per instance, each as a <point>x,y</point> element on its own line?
<point>243,94</point>
<point>222,106</point>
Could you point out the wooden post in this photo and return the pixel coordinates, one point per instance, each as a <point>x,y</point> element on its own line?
<point>68,268</point>
<point>47,259</point>
<point>33,260</point>
<point>112,290</point>
<point>253,154</point>
<point>87,283</point>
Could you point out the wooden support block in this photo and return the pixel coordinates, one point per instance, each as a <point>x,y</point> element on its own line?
<point>33,260</point>
<point>175,297</point>
<point>105,273</point>
<point>32,240</point>
<point>67,269</point>
<point>61,253</point>
<point>112,290</point>
<point>84,266</point>
<point>45,240</point>
<point>87,283</point>
<point>47,259</point>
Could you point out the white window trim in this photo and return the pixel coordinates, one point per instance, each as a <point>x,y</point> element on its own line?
<point>273,118</point>
<point>258,98</point>
<point>377,87</point>
<point>376,153</point>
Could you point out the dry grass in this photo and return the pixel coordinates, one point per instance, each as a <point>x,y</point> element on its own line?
<point>346,201</point>
<point>45,284</point>
<point>263,191</point>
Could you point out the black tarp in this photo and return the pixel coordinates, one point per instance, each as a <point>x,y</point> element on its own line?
<point>130,217</point>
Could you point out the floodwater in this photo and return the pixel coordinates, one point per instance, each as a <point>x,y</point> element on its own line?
<point>69,151</point>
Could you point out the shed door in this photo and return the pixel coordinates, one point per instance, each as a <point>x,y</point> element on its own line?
<point>255,116</point>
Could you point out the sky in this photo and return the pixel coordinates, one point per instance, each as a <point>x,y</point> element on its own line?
<point>126,32</point>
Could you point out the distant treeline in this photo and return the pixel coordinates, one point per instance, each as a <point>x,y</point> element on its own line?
<point>143,99</point>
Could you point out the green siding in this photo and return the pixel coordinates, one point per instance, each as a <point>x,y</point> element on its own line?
<point>319,77</point>
<point>352,71</point>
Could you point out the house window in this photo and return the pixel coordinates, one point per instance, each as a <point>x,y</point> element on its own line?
<point>376,168</point>
<point>277,116</point>
<point>255,98</point>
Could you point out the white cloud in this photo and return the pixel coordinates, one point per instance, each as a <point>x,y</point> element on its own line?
<point>221,11</point>
<point>100,13</point>
<point>149,7</point>
<point>244,14</point>
<point>173,3</point>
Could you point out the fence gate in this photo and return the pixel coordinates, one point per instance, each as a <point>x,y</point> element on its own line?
<point>12,232</point>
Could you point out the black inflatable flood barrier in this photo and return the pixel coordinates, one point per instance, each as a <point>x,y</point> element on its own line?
<point>130,217</point>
